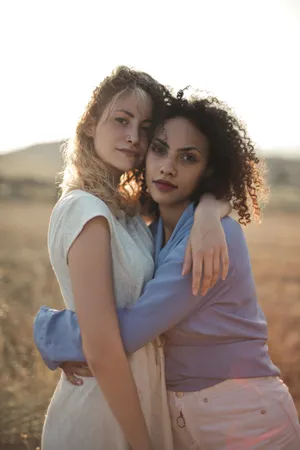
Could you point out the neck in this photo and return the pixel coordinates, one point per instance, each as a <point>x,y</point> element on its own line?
<point>115,177</point>
<point>170,215</point>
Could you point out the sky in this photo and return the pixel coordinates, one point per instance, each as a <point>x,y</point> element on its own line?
<point>53,53</point>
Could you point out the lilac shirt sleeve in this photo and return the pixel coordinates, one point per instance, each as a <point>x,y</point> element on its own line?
<point>166,301</point>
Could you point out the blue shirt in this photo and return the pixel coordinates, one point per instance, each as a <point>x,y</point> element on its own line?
<point>208,339</point>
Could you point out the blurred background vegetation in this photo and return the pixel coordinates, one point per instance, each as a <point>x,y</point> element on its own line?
<point>27,195</point>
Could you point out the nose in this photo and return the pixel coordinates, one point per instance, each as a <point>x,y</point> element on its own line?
<point>133,136</point>
<point>168,168</point>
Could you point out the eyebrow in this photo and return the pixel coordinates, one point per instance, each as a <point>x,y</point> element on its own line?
<point>189,147</point>
<point>183,149</point>
<point>131,115</point>
<point>162,142</point>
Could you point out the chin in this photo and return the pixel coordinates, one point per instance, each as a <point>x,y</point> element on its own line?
<point>161,199</point>
<point>126,166</point>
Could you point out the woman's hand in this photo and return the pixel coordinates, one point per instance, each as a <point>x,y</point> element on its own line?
<point>73,368</point>
<point>206,251</point>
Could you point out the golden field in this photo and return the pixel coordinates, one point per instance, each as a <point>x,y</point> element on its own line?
<point>27,282</point>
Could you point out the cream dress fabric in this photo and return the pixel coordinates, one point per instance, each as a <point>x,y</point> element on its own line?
<point>78,417</point>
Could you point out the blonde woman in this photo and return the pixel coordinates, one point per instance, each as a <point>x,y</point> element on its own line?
<point>102,255</point>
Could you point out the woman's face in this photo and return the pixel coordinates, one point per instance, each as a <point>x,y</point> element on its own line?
<point>120,136</point>
<point>176,161</point>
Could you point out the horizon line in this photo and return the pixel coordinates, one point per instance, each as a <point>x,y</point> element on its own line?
<point>289,151</point>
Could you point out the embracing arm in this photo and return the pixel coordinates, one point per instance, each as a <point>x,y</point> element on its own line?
<point>90,268</point>
<point>223,207</point>
<point>207,246</point>
<point>167,300</point>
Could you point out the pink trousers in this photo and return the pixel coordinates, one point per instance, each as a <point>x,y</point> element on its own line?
<point>241,414</point>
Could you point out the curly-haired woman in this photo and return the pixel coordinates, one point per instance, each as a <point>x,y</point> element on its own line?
<point>101,252</point>
<point>224,391</point>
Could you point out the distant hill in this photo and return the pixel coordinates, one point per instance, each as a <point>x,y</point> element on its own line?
<point>43,161</point>
<point>284,171</point>
<point>39,162</point>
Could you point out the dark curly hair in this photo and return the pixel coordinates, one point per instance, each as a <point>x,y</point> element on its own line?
<point>234,172</point>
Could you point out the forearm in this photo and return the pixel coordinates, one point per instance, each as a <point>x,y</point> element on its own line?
<point>209,203</point>
<point>114,376</point>
<point>167,300</point>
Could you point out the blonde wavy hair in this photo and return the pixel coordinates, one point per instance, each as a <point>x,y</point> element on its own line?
<point>83,169</point>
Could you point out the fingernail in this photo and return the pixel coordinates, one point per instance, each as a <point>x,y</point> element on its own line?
<point>79,382</point>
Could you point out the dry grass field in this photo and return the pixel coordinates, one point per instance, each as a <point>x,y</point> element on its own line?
<point>27,281</point>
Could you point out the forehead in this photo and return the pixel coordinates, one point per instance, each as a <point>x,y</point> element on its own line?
<point>181,132</point>
<point>137,102</point>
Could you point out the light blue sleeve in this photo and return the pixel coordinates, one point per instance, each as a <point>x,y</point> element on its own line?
<point>57,336</point>
<point>166,301</point>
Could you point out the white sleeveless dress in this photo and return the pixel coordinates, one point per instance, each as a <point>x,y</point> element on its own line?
<point>78,417</point>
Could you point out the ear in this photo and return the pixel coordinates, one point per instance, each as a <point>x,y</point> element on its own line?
<point>91,128</point>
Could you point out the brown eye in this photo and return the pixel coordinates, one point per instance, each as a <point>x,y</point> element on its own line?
<point>121,120</point>
<point>189,158</point>
<point>158,149</point>
<point>145,128</point>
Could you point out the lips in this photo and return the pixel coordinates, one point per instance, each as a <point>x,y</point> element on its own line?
<point>164,186</point>
<point>128,152</point>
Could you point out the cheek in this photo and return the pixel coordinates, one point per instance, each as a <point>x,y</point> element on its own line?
<point>101,139</point>
<point>114,133</point>
<point>191,180</point>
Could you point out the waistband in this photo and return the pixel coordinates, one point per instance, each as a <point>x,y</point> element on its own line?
<point>225,386</point>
